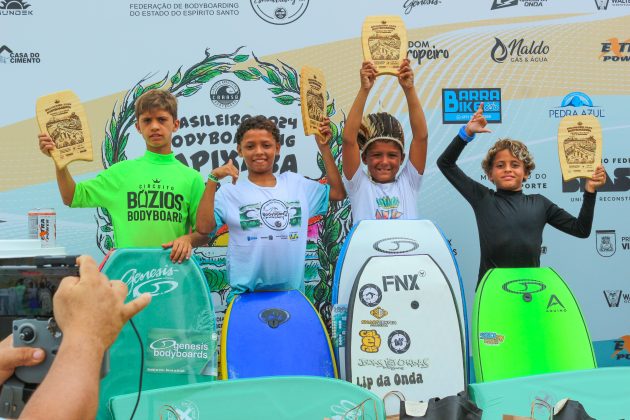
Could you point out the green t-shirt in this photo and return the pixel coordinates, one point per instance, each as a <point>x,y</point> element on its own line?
<point>152,200</point>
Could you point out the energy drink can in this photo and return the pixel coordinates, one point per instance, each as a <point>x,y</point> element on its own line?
<point>42,224</point>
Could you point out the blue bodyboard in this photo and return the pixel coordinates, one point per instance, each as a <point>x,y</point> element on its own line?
<point>273,334</point>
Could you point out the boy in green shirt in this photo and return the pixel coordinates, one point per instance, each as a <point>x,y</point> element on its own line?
<point>152,199</point>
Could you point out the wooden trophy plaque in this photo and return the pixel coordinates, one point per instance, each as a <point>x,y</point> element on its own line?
<point>384,40</point>
<point>62,116</point>
<point>579,146</point>
<point>312,99</point>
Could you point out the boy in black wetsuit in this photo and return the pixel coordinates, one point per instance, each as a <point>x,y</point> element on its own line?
<point>510,223</point>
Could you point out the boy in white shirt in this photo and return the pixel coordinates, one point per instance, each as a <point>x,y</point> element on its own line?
<point>378,141</point>
<point>267,214</point>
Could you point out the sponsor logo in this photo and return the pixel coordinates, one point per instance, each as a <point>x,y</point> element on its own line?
<point>153,200</point>
<point>9,56</point>
<point>502,4</point>
<point>622,348</point>
<point>370,295</point>
<point>293,236</point>
<point>5,54</point>
<point>149,8</point>
<point>251,238</point>
<point>606,242</point>
<point>184,410</point>
<point>554,305</point>
<point>170,348</point>
<point>370,341</point>
<point>156,281</point>
<point>524,286</point>
<point>225,94</point>
<point>491,338</point>
<point>614,297</point>
<point>395,364</point>
<point>614,50</point>
<point>15,8</point>
<point>378,323</point>
<point>407,282</point>
<point>275,214</point>
<point>424,50</point>
<point>396,245</point>
<point>279,12</point>
<point>379,312</point>
<point>274,317</point>
<point>459,105</point>
<point>603,4</point>
<point>576,103</point>
<point>399,341</point>
<point>519,51</point>
<point>386,381</point>
<point>409,5</point>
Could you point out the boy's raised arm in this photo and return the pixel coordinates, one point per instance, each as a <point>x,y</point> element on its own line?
<point>205,212</point>
<point>64,179</point>
<point>337,191</point>
<point>351,155</point>
<point>420,133</point>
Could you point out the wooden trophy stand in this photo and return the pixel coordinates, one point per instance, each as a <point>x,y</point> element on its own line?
<point>579,146</point>
<point>312,99</point>
<point>62,116</point>
<point>384,40</point>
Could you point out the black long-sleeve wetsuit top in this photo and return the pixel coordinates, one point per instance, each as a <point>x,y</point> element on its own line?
<point>511,223</point>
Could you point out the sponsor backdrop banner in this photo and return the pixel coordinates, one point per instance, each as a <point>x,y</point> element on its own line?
<point>531,62</point>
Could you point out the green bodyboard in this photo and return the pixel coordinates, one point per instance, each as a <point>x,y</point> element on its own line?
<point>178,328</point>
<point>527,322</point>
<point>273,398</point>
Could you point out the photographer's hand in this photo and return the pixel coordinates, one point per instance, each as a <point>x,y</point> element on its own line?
<point>90,311</point>
<point>12,357</point>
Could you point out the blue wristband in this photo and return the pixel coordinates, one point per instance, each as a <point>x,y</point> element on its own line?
<point>462,134</point>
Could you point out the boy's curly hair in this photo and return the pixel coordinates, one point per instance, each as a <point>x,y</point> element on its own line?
<point>518,150</point>
<point>259,122</point>
<point>156,99</point>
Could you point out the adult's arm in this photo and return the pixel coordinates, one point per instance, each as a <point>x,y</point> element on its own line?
<point>90,310</point>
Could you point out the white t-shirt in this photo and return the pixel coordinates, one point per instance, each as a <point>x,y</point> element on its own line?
<point>394,200</point>
<point>268,230</point>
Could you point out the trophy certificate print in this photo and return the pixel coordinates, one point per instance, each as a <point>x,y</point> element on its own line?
<point>312,99</point>
<point>384,40</point>
<point>62,116</point>
<point>579,146</point>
